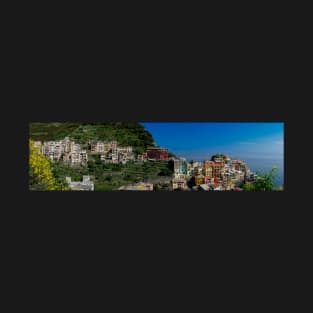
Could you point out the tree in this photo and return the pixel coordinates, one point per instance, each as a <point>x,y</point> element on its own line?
<point>171,154</point>
<point>165,172</point>
<point>264,182</point>
<point>248,187</point>
<point>108,178</point>
<point>170,165</point>
<point>218,155</point>
<point>40,172</point>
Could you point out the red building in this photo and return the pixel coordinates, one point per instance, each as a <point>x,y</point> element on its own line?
<point>157,153</point>
<point>207,179</point>
<point>218,169</point>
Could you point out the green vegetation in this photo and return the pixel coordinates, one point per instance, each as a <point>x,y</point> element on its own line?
<point>218,155</point>
<point>126,134</point>
<point>248,187</point>
<point>104,176</point>
<point>161,186</point>
<point>172,155</point>
<point>41,175</point>
<point>264,182</point>
<point>112,176</point>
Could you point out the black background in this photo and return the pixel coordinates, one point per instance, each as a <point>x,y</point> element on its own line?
<point>112,243</point>
<point>162,236</point>
<point>239,96</point>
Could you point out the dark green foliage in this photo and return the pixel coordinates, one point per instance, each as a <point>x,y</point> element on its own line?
<point>170,154</point>
<point>126,134</point>
<point>51,131</point>
<point>112,176</point>
<point>165,172</point>
<point>103,187</point>
<point>218,155</point>
<point>264,182</point>
<point>162,187</point>
<point>61,170</point>
<point>171,165</point>
<point>248,187</point>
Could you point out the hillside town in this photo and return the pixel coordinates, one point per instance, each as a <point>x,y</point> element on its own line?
<point>73,154</point>
<point>218,173</point>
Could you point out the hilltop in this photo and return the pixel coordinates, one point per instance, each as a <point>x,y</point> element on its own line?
<point>126,134</point>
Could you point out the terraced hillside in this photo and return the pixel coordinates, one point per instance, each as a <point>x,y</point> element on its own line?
<point>130,134</point>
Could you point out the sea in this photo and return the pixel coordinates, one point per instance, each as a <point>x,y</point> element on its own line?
<point>266,164</point>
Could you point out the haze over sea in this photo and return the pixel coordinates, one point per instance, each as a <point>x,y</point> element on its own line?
<point>264,164</point>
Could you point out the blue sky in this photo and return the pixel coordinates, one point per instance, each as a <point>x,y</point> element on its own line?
<point>202,140</point>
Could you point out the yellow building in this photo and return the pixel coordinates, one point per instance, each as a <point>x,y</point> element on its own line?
<point>207,168</point>
<point>198,180</point>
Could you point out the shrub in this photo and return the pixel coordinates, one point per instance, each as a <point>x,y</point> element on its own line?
<point>40,172</point>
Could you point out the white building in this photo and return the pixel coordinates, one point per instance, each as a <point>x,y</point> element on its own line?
<point>179,183</point>
<point>53,150</point>
<point>79,158</point>
<point>85,185</point>
<point>66,142</point>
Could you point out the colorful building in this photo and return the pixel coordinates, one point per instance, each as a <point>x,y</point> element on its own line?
<point>179,183</point>
<point>180,167</point>
<point>198,180</point>
<point>218,169</point>
<point>207,168</point>
<point>157,153</point>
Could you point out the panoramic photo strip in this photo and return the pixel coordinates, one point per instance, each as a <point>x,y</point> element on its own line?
<point>156,156</point>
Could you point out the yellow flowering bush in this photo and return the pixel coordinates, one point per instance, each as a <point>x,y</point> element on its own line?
<point>41,176</point>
